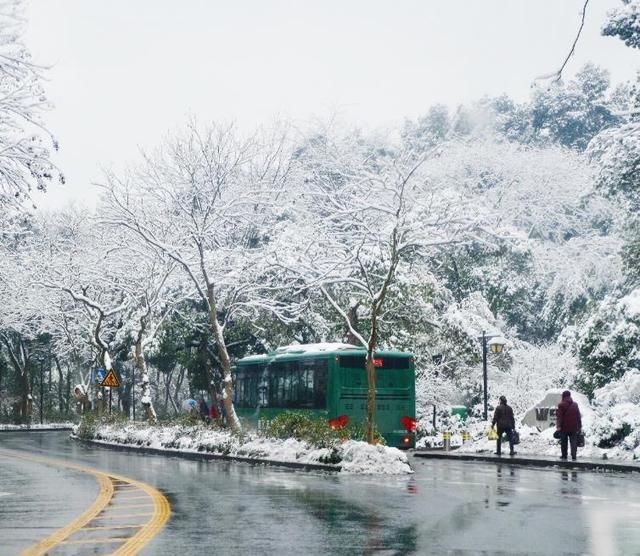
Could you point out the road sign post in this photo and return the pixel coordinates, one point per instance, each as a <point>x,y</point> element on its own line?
<point>111,381</point>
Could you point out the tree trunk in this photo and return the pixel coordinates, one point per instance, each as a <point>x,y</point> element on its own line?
<point>177,390</point>
<point>68,397</point>
<point>26,397</point>
<point>166,379</point>
<point>141,366</point>
<point>60,385</point>
<point>225,363</point>
<point>371,377</point>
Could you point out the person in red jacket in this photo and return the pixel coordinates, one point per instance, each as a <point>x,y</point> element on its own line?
<point>568,424</point>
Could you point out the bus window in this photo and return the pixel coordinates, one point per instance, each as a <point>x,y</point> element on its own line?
<point>246,387</point>
<point>297,384</point>
<point>388,372</point>
<point>320,384</point>
<point>313,383</point>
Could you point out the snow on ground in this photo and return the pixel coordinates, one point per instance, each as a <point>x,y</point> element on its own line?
<point>352,456</point>
<point>36,426</point>
<point>532,443</point>
<point>536,443</point>
<point>611,425</point>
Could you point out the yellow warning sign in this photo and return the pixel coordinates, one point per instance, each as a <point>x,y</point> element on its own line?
<point>111,380</point>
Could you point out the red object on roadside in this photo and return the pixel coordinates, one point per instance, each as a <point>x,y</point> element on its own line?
<point>213,412</point>
<point>409,423</point>
<point>339,422</point>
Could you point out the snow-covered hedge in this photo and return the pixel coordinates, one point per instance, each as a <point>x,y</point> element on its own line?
<point>351,456</point>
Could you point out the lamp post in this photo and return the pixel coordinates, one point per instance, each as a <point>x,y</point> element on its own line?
<point>495,344</point>
<point>41,390</point>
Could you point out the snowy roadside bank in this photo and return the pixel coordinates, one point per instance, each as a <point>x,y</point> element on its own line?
<point>535,443</point>
<point>37,427</point>
<point>611,425</point>
<point>347,457</point>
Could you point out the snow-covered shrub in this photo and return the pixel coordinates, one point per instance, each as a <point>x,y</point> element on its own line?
<point>609,342</point>
<point>617,422</point>
<point>314,430</point>
<point>352,456</point>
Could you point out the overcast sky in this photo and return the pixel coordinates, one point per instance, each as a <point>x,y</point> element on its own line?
<point>126,72</point>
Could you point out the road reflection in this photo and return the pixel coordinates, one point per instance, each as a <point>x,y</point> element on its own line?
<point>444,508</point>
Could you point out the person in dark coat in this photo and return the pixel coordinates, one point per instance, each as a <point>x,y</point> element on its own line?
<point>504,421</point>
<point>204,410</point>
<point>568,424</point>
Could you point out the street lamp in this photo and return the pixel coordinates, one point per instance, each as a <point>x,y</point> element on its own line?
<point>41,390</point>
<point>495,344</point>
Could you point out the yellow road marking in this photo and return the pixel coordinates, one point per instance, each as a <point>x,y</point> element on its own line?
<point>106,527</point>
<point>120,516</point>
<point>132,545</point>
<point>129,506</point>
<point>97,541</point>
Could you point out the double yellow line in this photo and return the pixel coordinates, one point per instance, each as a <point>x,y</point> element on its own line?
<point>131,545</point>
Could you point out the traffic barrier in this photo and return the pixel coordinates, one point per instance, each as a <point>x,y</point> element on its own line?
<point>466,436</point>
<point>446,441</point>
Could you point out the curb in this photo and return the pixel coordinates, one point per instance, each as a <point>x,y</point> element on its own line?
<point>39,429</point>
<point>207,456</point>
<point>590,465</point>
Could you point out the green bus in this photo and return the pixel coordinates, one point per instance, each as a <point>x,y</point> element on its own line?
<point>329,380</point>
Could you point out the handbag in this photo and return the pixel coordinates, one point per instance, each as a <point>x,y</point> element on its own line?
<point>515,435</point>
<point>556,435</point>
<point>580,439</point>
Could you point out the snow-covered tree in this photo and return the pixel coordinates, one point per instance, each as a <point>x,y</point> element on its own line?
<point>608,344</point>
<point>366,216</point>
<point>205,200</point>
<point>25,144</point>
<point>617,153</point>
<point>153,296</point>
<point>624,23</point>
<point>74,258</point>
<point>572,114</point>
<point>548,244</point>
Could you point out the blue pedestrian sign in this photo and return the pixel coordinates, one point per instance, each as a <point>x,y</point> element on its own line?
<point>99,375</point>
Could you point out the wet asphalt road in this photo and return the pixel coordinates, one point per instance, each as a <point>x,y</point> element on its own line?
<point>458,508</point>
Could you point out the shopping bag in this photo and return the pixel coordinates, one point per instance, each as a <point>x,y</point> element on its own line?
<point>516,437</point>
<point>492,434</point>
<point>580,442</point>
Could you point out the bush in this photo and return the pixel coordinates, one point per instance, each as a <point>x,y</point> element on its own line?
<point>314,430</point>
<point>88,425</point>
<point>90,422</point>
<point>616,437</point>
<point>189,419</point>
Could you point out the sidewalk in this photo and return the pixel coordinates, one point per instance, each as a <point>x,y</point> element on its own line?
<point>531,460</point>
